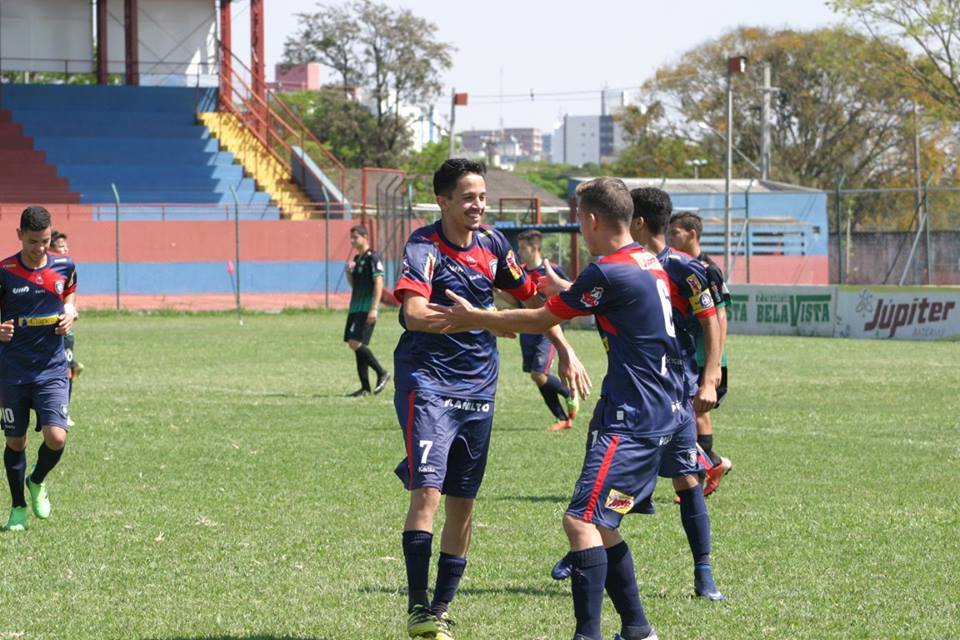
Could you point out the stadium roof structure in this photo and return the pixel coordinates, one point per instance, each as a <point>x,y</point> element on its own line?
<point>705,185</point>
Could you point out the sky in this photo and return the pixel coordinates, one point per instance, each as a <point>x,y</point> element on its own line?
<point>513,46</point>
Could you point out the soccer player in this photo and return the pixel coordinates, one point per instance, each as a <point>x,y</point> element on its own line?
<point>365,275</point>
<point>37,308</point>
<point>446,382</point>
<point>536,349</point>
<point>58,244</point>
<point>686,229</point>
<point>694,317</point>
<point>640,406</point>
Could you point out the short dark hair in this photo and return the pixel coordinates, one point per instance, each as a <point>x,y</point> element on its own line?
<point>35,218</point>
<point>654,206</point>
<point>57,235</point>
<point>445,178</point>
<point>607,197</point>
<point>532,237</point>
<point>690,221</point>
<point>359,229</point>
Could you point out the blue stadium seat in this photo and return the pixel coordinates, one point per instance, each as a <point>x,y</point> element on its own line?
<point>145,140</point>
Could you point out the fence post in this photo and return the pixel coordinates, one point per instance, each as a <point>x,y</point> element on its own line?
<point>921,221</point>
<point>839,208</point>
<point>116,200</point>
<point>236,235</point>
<point>746,227</point>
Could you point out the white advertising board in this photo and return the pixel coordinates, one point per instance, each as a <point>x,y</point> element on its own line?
<point>881,312</point>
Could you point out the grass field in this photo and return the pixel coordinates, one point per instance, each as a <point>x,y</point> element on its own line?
<point>219,485</point>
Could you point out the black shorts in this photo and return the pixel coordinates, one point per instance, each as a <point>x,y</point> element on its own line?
<point>721,388</point>
<point>68,341</point>
<point>358,329</point>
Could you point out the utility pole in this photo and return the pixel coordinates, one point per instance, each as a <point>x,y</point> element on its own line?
<point>765,155</point>
<point>735,66</point>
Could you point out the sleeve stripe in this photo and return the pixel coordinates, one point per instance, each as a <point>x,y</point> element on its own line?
<point>561,309</point>
<point>707,313</point>
<point>524,291</point>
<point>407,284</point>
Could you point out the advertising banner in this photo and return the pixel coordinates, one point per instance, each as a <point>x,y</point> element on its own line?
<point>782,310</point>
<point>900,313</point>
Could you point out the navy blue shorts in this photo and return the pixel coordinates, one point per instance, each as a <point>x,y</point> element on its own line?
<point>446,439</point>
<point>537,353</point>
<point>680,457</point>
<point>49,400</point>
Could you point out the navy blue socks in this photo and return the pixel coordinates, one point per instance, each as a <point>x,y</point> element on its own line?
<point>416,554</point>
<point>587,583</point>
<point>47,459</point>
<point>696,523</point>
<point>622,588</point>
<point>449,571</point>
<point>15,463</point>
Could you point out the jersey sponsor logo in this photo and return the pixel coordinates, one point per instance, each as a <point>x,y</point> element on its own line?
<point>426,468</point>
<point>38,321</point>
<point>893,315</point>
<point>694,283</point>
<point>514,267</point>
<point>9,265</point>
<point>591,298</point>
<point>19,290</point>
<point>618,501</point>
<point>706,300</point>
<point>480,406</point>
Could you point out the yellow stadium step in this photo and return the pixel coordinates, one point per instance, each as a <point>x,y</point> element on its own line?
<point>257,161</point>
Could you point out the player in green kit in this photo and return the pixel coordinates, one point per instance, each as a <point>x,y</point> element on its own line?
<point>365,275</point>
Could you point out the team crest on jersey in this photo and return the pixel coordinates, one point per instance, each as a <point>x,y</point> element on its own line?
<point>59,286</point>
<point>694,283</point>
<point>692,457</point>
<point>619,502</point>
<point>493,264</point>
<point>706,300</point>
<point>515,269</point>
<point>591,298</point>
<point>39,278</point>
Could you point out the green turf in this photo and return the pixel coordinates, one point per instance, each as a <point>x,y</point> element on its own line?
<point>218,485</point>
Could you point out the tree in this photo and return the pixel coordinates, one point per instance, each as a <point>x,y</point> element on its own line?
<point>420,166</point>
<point>931,27</point>
<point>841,109</point>
<point>392,54</point>
<point>348,130</point>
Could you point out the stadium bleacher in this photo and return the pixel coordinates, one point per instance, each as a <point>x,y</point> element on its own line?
<point>145,140</point>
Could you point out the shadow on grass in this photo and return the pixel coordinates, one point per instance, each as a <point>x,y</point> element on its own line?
<point>556,592</point>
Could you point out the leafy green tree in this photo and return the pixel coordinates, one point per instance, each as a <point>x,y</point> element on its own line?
<point>346,127</point>
<point>389,53</point>
<point>931,27</point>
<point>841,110</point>
<point>420,167</point>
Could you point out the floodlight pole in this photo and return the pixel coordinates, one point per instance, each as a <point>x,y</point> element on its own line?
<point>453,119</point>
<point>735,65</point>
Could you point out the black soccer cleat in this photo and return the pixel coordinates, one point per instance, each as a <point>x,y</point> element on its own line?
<point>382,382</point>
<point>358,393</point>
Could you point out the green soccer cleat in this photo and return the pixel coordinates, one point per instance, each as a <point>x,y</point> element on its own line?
<point>39,500</point>
<point>573,404</point>
<point>422,622</point>
<point>17,520</point>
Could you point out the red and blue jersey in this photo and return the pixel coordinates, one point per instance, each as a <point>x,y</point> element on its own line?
<point>691,299</point>
<point>462,364</point>
<point>628,293</point>
<point>33,299</point>
<point>535,340</point>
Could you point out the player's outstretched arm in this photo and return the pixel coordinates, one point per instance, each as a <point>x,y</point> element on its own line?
<point>463,316</point>
<point>419,315</point>
<point>551,284</point>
